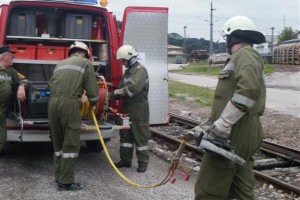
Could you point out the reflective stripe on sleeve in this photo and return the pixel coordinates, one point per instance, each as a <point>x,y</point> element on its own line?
<point>126,80</point>
<point>69,67</point>
<point>243,100</point>
<point>128,92</point>
<point>229,67</point>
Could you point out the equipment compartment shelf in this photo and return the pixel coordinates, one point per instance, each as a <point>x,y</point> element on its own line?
<point>11,38</point>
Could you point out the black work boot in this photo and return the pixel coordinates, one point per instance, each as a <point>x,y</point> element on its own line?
<point>121,164</point>
<point>70,187</point>
<point>142,168</point>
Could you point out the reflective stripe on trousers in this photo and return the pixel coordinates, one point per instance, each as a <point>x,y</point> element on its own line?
<point>65,155</point>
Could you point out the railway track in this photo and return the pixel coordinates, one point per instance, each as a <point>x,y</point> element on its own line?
<point>276,164</point>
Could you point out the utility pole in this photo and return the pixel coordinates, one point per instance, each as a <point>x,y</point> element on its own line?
<point>184,28</point>
<point>211,29</point>
<point>272,41</point>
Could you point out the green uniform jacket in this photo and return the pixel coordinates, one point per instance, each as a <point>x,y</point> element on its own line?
<point>242,82</point>
<point>80,73</point>
<point>135,83</point>
<point>9,81</point>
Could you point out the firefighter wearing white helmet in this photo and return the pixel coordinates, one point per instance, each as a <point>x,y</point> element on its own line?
<point>77,46</point>
<point>239,102</point>
<point>241,29</point>
<point>70,78</point>
<point>133,90</point>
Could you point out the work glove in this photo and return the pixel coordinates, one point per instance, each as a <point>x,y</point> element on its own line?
<point>222,127</point>
<point>195,132</point>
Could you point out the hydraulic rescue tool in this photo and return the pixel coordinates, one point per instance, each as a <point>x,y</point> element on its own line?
<point>215,145</point>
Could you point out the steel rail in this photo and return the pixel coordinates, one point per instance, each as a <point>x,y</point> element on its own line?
<point>291,154</point>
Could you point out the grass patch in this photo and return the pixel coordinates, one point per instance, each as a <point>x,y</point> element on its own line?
<point>202,95</point>
<point>204,69</point>
<point>269,69</point>
<point>199,68</point>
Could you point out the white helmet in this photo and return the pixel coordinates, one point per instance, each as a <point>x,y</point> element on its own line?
<point>126,52</point>
<point>79,45</point>
<point>247,28</point>
<point>238,23</point>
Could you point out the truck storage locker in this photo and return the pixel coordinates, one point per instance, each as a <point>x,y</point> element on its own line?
<point>78,26</point>
<point>22,24</point>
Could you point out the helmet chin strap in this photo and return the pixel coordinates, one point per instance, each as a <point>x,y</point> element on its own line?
<point>232,40</point>
<point>132,60</point>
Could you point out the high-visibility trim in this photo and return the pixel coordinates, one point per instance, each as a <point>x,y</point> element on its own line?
<point>5,78</point>
<point>128,145</point>
<point>238,98</point>
<point>143,148</point>
<point>127,79</point>
<point>58,153</point>
<point>128,92</point>
<point>229,67</point>
<point>70,155</point>
<point>69,67</point>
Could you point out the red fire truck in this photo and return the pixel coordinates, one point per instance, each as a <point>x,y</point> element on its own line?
<point>41,31</point>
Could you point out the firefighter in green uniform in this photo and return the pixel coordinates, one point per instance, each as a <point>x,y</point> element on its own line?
<point>9,81</point>
<point>238,104</point>
<point>133,90</point>
<point>70,78</point>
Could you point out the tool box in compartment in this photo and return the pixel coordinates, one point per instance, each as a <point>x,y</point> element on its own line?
<point>50,53</point>
<point>27,52</point>
<point>22,23</point>
<point>77,26</point>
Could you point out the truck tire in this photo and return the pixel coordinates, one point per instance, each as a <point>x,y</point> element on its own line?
<point>95,145</point>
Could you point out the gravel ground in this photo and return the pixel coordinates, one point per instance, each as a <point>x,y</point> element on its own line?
<point>26,173</point>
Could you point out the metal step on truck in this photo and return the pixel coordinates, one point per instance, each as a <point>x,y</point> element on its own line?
<point>41,31</point>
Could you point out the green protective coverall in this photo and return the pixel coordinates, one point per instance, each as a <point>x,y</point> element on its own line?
<point>9,81</point>
<point>241,82</point>
<point>70,78</point>
<point>135,83</point>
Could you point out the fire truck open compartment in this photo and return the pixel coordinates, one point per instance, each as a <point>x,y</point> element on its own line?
<point>54,27</point>
<point>41,31</point>
<point>41,36</point>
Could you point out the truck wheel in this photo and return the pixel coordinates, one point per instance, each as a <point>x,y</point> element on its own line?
<point>95,145</point>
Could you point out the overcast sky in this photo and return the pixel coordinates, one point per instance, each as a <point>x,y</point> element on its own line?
<point>194,13</point>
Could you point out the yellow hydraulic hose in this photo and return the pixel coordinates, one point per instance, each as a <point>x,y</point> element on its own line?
<point>164,181</point>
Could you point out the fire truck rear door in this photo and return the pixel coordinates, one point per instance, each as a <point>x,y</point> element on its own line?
<point>146,28</point>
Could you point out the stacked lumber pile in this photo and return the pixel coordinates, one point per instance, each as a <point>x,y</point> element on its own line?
<point>288,54</point>
<point>218,58</point>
